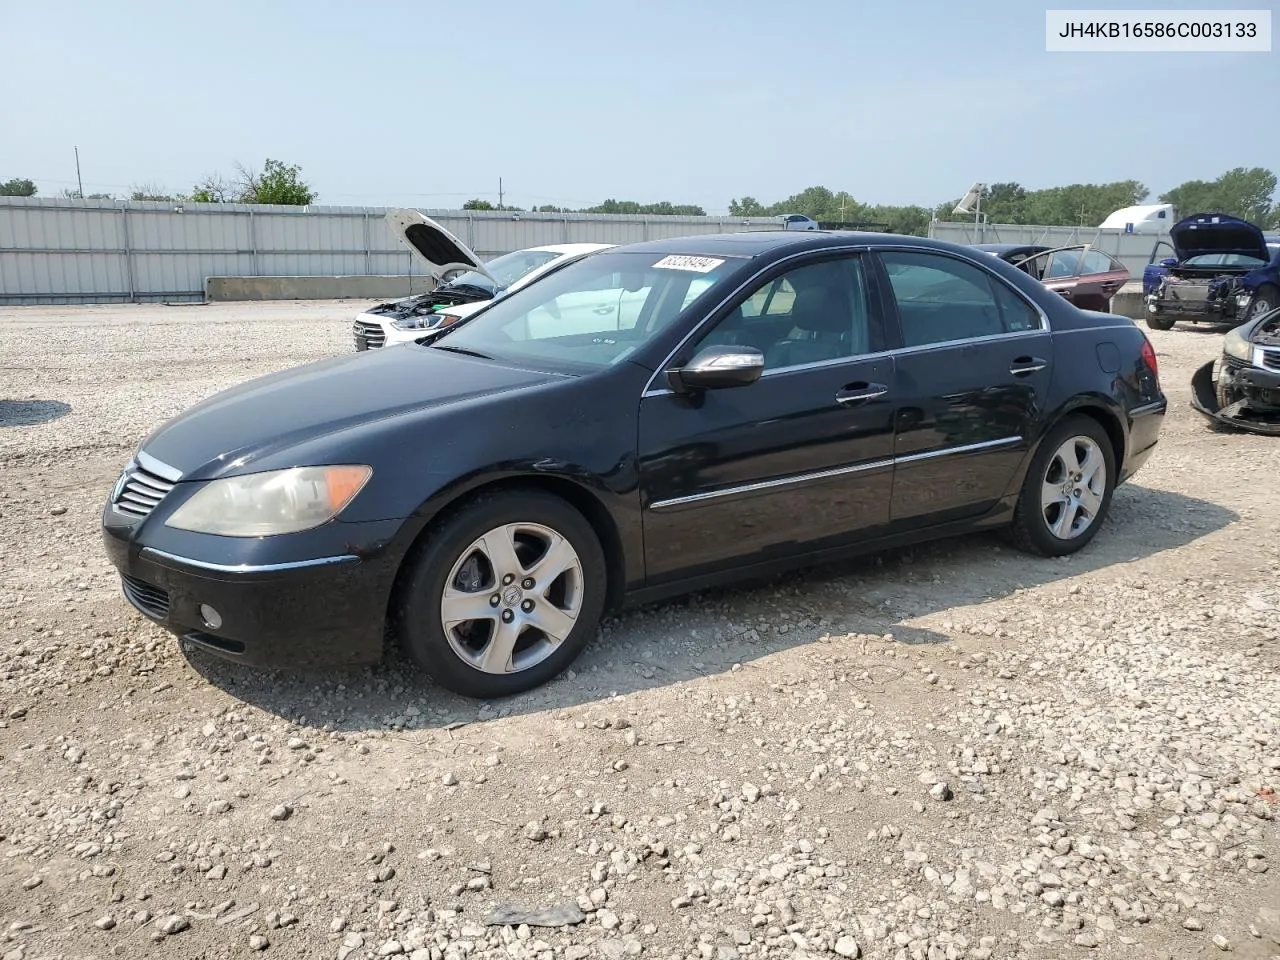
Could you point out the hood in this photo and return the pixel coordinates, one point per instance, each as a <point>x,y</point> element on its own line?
<point>233,430</point>
<point>1203,233</point>
<point>438,249</point>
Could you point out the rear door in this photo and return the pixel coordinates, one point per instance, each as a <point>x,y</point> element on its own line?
<point>1101,277</point>
<point>972,371</point>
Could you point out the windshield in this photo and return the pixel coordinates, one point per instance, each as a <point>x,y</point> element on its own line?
<point>593,313</point>
<point>507,269</point>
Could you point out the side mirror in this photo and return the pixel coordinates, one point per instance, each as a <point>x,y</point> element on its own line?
<point>1169,262</point>
<point>716,367</point>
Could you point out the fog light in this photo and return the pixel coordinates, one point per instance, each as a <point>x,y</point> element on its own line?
<point>211,617</point>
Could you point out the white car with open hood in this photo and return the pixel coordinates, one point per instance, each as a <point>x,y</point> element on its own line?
<point>463,294</point>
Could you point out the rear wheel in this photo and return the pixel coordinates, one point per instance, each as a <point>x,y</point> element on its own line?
<point>1068,489</point>
<point>504,595</point>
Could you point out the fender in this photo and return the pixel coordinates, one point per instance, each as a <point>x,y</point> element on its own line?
<point>611,505</point>
<point>1104,408</point>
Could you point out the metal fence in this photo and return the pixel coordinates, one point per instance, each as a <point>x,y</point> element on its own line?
<point>1134,250</point>
<point>77,251</point>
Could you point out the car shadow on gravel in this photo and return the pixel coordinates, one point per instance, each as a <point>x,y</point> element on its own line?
<point>714,631</point>
<point>28,413</point>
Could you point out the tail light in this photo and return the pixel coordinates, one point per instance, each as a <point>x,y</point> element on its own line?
<point>1149,357</point>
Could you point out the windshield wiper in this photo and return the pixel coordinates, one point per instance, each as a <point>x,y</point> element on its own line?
<point>484,291</point>
<point>454,348</point>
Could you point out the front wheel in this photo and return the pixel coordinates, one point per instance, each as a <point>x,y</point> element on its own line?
<point>504,594</point>
<point>1068,489</point>
<point>1157,322</point>
<point>1264,300</point>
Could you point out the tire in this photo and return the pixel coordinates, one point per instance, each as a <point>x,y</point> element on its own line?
<point>522,526</point>
<point>1037,526</point>
<point>1265,299</point>
<point>1157,322</point>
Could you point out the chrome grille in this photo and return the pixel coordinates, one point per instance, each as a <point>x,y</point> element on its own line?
<point>1234,363</point>
<point>371,334</point>
<point>140,490</point>
<point>153,601</point>
<point>1271,359</point>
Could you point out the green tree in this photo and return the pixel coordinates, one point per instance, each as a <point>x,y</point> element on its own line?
<point>1242,192</point>
<point>1077,204</point>
<point>278,183</point>
<point>746,207</point>
<point>477,205</point>
<point>212,189</point>
<point>149,191</point>
<point>663,208</point>
<point>17,187</point>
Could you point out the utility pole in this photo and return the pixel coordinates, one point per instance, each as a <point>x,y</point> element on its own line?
<point>79,182</point>
<point>499,193</point>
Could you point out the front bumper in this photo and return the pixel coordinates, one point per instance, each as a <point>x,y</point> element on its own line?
<point>1215,311</point>
<point>369,331</point>
<point>327,609</point>
<point>1257,410</point>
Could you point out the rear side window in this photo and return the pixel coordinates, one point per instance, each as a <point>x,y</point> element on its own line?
<point>941,299</point>
<point>1095,261</point>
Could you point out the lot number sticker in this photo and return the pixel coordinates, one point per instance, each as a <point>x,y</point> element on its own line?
<point>696,264</point>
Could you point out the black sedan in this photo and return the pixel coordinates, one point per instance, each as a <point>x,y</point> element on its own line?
<point>652,420</point>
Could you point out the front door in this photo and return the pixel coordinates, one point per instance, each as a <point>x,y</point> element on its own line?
<point>800,459</point>
<point>972,376</point>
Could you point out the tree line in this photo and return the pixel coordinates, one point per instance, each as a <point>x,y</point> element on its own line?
<point>1245,192</point>
<point>1242,192</point>
<point>277,182</point>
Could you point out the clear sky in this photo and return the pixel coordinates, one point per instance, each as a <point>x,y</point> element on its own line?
<point>427,104</point>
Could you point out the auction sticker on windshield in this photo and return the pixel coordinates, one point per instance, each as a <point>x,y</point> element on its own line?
<point>696,264</point>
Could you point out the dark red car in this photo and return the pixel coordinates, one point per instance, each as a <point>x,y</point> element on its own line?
<point>1088,278</point>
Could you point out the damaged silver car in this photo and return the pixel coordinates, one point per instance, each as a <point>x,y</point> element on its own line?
<point>1242,387</point>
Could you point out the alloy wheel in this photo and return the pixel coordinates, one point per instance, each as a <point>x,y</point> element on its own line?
<point>512,598</point>
<point>1074,487</point>
<point>1260,306</point>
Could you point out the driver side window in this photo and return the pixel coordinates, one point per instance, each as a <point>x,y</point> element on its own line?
<point>810,314</point>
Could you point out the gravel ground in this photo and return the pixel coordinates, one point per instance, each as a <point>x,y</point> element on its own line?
<point>954,751</point>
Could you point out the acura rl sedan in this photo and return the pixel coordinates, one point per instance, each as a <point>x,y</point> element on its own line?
<point>654,419</point>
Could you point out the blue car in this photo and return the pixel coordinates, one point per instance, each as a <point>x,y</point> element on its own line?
<point>1223,271</point>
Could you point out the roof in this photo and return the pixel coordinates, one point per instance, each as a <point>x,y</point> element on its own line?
<point>756,242</point>
<point>565,249</point>
<point>1130,214</point>
<point>1006,247</point>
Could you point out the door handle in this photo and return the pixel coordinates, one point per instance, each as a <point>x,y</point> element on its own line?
<point>1026,365</point>
<point>860,391</point>
<point>1064,293</point>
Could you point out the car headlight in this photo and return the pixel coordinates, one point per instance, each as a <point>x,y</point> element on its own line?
<point>1235,345</point>
<point>271,503</point>
<point>421,321</point>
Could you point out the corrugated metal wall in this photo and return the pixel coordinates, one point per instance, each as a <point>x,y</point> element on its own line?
<point>81,251</point>
<point>1132,249</point>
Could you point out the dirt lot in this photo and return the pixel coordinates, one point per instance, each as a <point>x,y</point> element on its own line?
<point>955,751</point>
